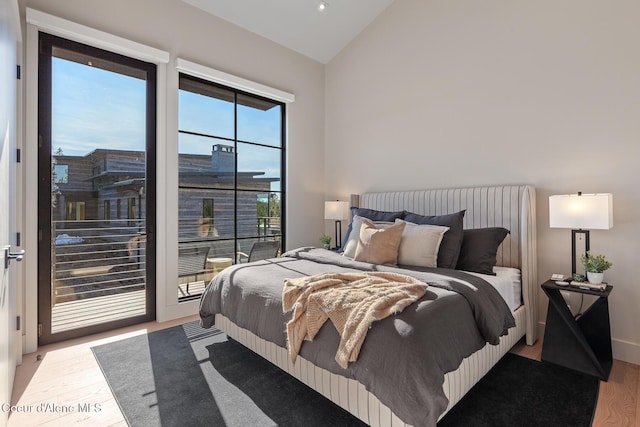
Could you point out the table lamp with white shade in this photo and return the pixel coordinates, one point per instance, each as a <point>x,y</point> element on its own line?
<point>338,211</point>
<point>581,212</point>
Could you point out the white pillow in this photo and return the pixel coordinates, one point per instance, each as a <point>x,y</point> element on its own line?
<point>352,242</point>
<point>420,243</point>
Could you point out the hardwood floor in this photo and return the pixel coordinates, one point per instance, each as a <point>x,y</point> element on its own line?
<point>67,375</point>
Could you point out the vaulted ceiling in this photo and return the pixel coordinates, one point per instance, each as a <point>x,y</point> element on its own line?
<point>298,24</point>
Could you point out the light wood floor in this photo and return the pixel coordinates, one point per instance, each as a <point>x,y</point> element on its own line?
<point>68,376</point>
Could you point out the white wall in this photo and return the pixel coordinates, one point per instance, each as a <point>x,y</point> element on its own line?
<point>186,32</point>
<point>462,93</point>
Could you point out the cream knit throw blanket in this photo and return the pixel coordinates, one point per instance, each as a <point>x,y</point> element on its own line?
<point>353,301</point>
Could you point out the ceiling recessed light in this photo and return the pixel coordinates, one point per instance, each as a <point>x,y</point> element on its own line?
<point>322,6</point>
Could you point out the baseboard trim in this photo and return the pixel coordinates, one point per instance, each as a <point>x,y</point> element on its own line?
<point>626,351</point>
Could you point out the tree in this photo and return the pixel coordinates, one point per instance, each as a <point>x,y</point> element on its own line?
<point>274,205</point>
<point>55,190</point>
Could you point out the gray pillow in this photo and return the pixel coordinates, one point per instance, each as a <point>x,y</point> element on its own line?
<point>375,215</point>
<point>479,249</point>
<point>452,239</point>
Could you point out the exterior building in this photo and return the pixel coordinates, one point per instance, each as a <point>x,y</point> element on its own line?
<point>98,217</point>
<point>109,185</point>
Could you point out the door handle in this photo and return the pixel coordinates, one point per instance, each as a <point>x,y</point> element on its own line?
<point>8,256</point>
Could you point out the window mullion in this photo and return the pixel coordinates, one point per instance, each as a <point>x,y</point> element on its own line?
<point>235,168</point>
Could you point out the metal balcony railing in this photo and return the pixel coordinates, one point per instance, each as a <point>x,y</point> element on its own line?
<point>94,258</point>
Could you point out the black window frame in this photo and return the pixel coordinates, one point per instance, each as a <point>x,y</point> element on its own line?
<point>234,142</point>
<point>46,44</point>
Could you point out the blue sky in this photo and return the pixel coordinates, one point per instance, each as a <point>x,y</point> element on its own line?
<point>206,115</point>
<point>94,108</point>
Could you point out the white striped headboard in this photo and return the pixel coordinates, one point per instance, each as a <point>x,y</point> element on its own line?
<point>512,207</point>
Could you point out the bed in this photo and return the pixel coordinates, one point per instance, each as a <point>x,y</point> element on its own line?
<point>365,388</point>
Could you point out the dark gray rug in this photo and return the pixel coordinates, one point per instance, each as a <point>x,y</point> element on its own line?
<point>189,376</point>
<point>524,392</point>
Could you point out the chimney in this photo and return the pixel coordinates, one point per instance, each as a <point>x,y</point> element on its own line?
<point>223,159</point>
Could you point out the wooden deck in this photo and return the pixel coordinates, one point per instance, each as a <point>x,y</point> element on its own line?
<point>196,289</point>
<point>92,311</point>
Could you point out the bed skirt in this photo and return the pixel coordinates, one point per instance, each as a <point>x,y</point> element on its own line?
<point>351,395</point>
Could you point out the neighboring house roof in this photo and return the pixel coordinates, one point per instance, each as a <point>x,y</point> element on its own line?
<point>198,170</point>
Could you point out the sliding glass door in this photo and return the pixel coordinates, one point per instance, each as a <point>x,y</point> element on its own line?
<point>96,194</point>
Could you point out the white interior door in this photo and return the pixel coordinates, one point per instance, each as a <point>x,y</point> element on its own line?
<point>9,33</point>
<point>7,286</point>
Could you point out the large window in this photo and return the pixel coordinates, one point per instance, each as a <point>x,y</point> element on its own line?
<point>231,174</point>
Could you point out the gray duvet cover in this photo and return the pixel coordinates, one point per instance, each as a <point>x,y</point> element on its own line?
<point>404,357</point>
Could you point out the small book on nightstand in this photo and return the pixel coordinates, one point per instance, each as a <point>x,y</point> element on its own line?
<point>589,286</point>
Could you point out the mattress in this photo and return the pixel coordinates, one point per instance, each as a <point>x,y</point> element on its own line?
<point>508,283</point>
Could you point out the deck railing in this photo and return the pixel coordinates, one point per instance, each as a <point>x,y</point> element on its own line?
<point>92,258</point>
<point>95,258</point>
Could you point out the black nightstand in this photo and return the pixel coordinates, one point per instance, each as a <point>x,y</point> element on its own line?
<point>582,344</point>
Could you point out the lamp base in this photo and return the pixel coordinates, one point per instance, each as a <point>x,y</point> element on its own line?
<point>574,233</point>
<point>338,240</point>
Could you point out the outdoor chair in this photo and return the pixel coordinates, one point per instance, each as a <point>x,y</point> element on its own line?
<point>260,250</point>
<point>192,262</point>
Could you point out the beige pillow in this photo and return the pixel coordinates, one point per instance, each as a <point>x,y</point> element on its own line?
<point>420,243</point>
<point>379,245</point>
<point>352,242</point>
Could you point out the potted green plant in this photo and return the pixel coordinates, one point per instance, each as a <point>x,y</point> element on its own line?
<point>595,265</point>
<point>326,241</point>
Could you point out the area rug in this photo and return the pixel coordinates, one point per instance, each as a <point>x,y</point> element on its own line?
<point>189,376</point>
<point>524,392</point>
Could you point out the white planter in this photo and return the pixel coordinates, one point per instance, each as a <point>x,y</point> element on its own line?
<point>595,278</point>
